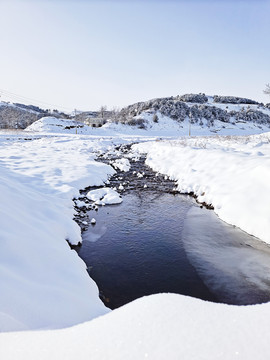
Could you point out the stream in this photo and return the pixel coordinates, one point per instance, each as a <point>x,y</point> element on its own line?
<point>158,241</point>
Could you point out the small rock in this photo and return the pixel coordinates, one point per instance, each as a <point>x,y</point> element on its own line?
<point>93,221</point>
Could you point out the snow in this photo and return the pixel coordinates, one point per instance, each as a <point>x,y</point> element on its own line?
<point>50,124</point>
<point>166,127</point>
<point>45,288</point>
<point>121,164</point>
<point>230,174</point>
<point>80,204</point>
<point>106,196</point>
<point>164,326</point>
<point>43,283</point>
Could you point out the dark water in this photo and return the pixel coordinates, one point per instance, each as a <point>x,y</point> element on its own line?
<point>156,242</point>
<point>135,249</point>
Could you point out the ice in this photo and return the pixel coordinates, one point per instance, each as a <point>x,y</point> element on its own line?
<point>96,232</point>
<point>234,265</point>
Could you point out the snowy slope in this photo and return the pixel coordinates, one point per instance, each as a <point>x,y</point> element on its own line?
<point>204,114</point>
<point>165,126</point>
<point>230,173</point>
<point>18,116</point>
<point>157,327</point>
<point>44,285</point>
<point>50,124</point>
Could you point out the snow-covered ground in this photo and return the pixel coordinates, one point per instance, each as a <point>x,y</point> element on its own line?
<point>165,126</point>
<point>45,288</point>
<point>157,327</point>
<point>230,173</point>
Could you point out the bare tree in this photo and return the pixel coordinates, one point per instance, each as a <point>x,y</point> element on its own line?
<point>102,111</point>
<point>115,114</point>
<point>267,89</point>
<point>155,118</point>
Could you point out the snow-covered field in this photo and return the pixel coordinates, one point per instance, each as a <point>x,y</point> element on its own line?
<point>45,288</point>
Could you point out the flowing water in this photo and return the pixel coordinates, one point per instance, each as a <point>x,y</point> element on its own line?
<point>158,242</point>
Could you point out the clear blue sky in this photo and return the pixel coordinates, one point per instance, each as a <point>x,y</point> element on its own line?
<point>84,54</point>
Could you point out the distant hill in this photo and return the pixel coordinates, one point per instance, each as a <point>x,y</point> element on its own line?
<point>205,114</point>
<point>19,116</point>
<point>199,109</point>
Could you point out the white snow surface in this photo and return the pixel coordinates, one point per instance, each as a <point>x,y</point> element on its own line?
<point>165,126</point>
<point>230,173</point>
<point>44,284</point>
<point>157,327</point>
<point>50,124</point>
<point>121,164</point>
<point>45,288</point>
<point>106,196</point>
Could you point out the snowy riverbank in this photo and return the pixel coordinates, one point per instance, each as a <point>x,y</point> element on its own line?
<point>230,173</point>
<point>44,285</point>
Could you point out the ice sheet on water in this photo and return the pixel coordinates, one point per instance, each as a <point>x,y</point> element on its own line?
<point>234,265</point>
<point>95,232</point>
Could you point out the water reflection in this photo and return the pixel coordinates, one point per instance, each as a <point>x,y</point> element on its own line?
<point>233,264</point>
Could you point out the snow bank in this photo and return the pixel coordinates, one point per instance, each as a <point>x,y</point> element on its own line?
<point>232,174</point>
<point>104,196</point>
<point>50,124</point>
<point>164,326</point>
<point>44,284</point>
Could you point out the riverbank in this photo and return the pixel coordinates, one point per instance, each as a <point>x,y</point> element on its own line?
<point>229,174</point>
<point>45,284</point>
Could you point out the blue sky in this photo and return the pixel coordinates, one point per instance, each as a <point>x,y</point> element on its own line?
<point>84,54</point>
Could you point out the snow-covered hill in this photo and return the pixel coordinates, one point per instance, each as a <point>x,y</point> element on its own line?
<point>189,114</point>
<point>19,116</point>
<point>51,124</point>
<point>199,114</point>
